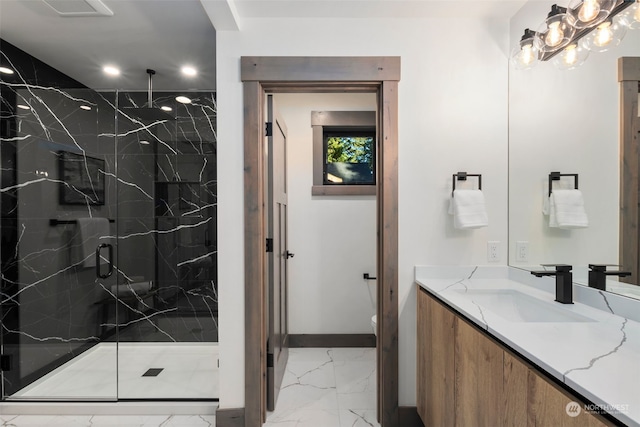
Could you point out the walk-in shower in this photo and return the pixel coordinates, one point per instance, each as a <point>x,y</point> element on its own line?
<point>109,243</point>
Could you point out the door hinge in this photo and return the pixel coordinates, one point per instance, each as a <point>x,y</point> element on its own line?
<point>269,245</point>
<point>268,129</point>
<point>6,362</point>
<point>269,360</point>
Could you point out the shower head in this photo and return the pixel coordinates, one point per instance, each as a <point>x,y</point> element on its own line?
<point>149,113</point>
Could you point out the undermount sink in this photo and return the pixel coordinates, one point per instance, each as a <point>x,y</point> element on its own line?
<point>516,306</point>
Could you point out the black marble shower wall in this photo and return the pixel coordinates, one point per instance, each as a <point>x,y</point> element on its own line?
<point>167,219</point>
<point>161,201</point>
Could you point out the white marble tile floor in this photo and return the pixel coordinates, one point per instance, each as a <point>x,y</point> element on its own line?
<point>322,387</point>
<point>327,387</point>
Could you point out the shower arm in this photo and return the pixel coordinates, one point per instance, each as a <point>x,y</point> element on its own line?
<point>150,90</point>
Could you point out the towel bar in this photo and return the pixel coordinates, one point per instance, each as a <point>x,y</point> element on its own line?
<point>555,176</point>
<point>53,222</point>
<point>462,176</point>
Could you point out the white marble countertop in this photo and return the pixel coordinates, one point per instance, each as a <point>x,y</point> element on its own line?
<point>598,356</point>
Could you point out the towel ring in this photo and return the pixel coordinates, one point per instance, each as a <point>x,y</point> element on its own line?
<point>555,176</point>
<point>462,176</point>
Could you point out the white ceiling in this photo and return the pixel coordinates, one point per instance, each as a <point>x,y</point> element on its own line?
<point>165,34</point>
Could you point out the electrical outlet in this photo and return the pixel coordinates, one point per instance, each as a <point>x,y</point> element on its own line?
<point>522,251</point>
<point>493,251</point>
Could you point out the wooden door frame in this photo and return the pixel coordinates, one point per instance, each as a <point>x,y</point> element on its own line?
<point>321,74</point>
<point>629,241</point>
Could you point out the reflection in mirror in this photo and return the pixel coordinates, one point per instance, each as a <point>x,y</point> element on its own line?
<point>568,121</point>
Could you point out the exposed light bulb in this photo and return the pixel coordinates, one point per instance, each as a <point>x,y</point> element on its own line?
<point>183,99</point>
<point>570,56</point>
<point>589,10</point>
<point>6,70</point>
<point>554,35</point>
<point>527,55</point>
<point>604,34</point>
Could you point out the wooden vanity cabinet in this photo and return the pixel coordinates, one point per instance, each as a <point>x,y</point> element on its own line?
<point>466,378</point>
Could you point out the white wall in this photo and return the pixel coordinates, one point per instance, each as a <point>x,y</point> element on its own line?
<point>333,237</point>
<point>452,117</point>
<point>565,121</point>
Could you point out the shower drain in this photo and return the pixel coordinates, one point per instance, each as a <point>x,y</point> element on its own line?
<point>153,372</point>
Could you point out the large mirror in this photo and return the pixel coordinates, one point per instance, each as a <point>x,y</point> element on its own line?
<point>566,121</point>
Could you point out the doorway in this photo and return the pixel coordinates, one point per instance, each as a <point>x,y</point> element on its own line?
<point>379,75</point>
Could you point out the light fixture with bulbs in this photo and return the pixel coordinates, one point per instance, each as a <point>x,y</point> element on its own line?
<point>567,35</point>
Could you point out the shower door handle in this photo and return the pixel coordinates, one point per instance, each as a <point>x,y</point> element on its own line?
<point>98,250</point>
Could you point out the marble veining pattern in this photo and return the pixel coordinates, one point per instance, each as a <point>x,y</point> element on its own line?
<point>595,351</point>
<point>69,153</point>
<point>327,387</point>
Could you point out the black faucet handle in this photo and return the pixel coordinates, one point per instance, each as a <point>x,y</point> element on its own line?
<point>559,267</point>
<point>601,267</point>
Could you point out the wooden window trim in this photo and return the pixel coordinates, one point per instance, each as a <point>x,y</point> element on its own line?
<point>343,119</point>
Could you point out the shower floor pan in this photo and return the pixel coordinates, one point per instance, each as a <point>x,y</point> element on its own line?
<point>132,371</point>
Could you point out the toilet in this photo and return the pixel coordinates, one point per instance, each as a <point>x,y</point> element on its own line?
<point>373,325</point>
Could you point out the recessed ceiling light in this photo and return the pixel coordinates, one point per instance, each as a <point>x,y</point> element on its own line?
<point>6,70</point>
<point>165,108</point>
<point>24,107</point>
<point>85,107</point>
<point>144,143</point>
<point>189,71</point>
<point>183,100</point>
<point>113,71</point>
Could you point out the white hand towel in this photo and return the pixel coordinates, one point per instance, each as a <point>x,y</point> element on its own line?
<point>568,206</point>
<point>549,208</point>
<point>468,209</point>
<point>90,233</point>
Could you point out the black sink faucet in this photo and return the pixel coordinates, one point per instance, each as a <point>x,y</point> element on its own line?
<point>598,275</point>
<point>564,281</point>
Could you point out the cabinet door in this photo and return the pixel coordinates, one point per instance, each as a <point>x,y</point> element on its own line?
<point>515,388</point>
<point>479,380</point>
<point>548,403</point>
<point>435,385</point>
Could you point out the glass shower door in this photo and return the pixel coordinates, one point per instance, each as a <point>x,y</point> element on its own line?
<point>58,207</point>
<point>167,262</point>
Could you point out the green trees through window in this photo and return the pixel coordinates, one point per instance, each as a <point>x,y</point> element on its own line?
<point>350,157</point>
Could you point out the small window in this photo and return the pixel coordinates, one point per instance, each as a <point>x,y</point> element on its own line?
<point>349,157</point>
<point>344,153</point>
